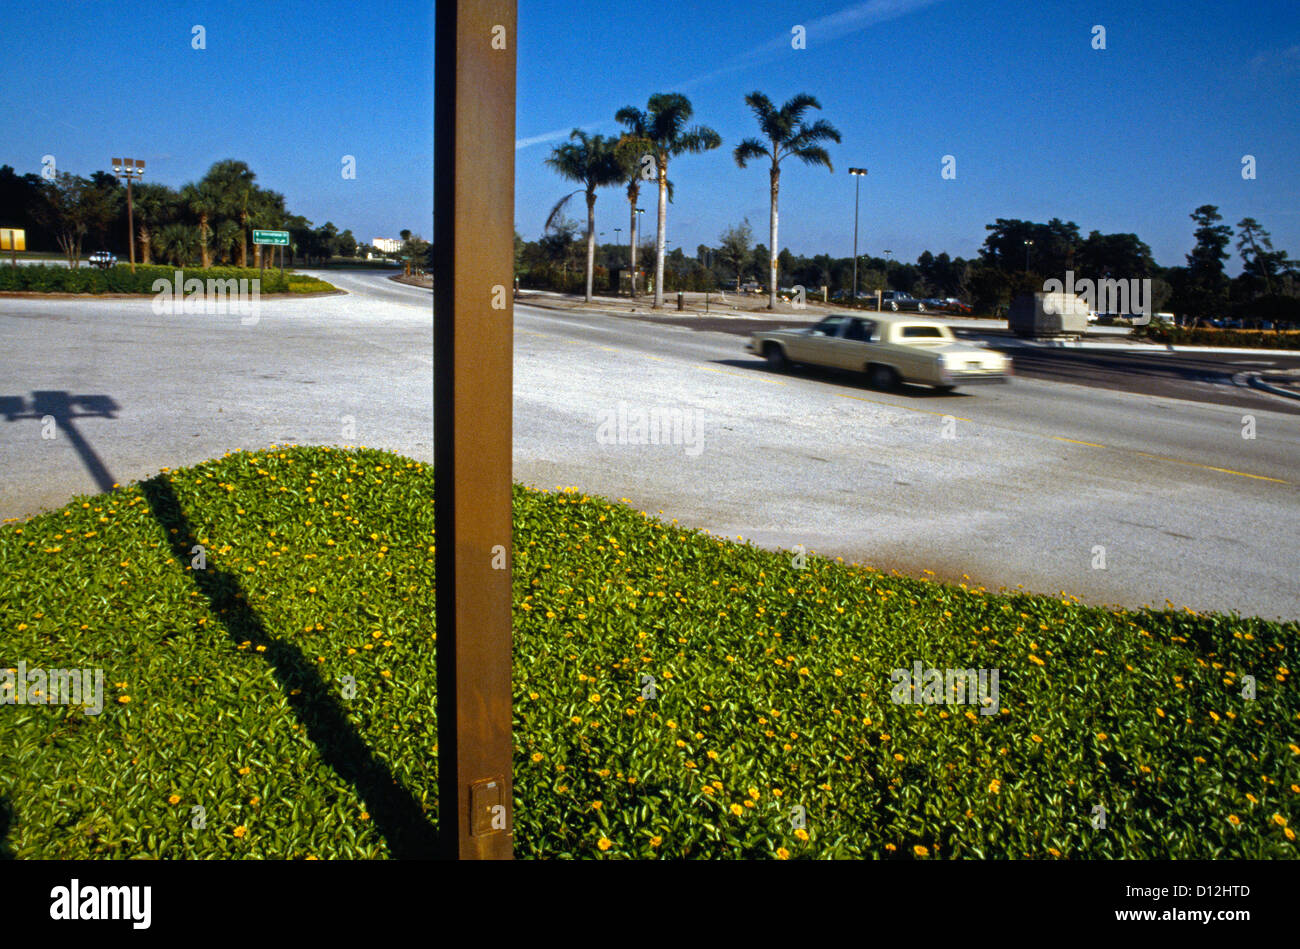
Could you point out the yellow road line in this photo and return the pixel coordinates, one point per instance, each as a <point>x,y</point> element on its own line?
<point>1194,464</point>
<point>1176,461</point>
<point>1075,441</point>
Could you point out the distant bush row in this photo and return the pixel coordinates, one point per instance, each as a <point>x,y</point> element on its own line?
<point>120,279</point>
<point>1206,336</point>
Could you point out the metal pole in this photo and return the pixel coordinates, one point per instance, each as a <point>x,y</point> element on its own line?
<point>474,173</point>
<point>857,189</point>
<point>130,222</point>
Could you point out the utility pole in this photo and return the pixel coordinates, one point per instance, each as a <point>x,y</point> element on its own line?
<point>858,174</point>
<point>475,43</point>
<point>129,168</point>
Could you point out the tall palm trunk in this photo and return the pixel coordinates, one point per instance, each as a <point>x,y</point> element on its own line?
<point>632,199</point>
<point>661,240</point>
<point>591,238</point>
<point>776,186</point>
<point>203,242</point>
<point>243,240</point>
<point>145,246</point>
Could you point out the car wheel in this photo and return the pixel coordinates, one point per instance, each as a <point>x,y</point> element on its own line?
<point>881,377</point>
<point>775,356</point>
<point>920,308</point>
<point>894,307</point>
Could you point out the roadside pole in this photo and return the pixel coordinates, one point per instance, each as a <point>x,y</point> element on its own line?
<point>473,264</point>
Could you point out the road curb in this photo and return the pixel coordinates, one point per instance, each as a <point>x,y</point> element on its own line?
<point>1254,380</point>
<point>1139,348</point>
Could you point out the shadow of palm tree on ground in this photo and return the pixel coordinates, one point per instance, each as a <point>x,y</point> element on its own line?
<point>398,816</point>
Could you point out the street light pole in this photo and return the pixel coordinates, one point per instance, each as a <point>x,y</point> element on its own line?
<point>129,168</point>
<point>858,174</point>
<point>1028,244</point>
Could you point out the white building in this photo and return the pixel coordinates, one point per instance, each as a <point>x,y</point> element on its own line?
<point>388,245</point>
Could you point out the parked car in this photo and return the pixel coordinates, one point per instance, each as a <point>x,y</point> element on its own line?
<point>897,300</point>
<point>102,259</point>
<point>956,306</point>
<point>934,304</point>
<point>887,349</point>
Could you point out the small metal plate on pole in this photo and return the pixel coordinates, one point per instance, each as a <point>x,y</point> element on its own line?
<point>473,267</point>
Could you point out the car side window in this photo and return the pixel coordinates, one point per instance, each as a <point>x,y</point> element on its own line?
<point>829,326</point>
<point>859,330</point>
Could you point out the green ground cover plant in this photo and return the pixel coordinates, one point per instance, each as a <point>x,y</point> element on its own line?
<point>288,690</point>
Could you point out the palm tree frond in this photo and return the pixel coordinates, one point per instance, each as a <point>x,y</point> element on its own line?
<point>557,212</point>
<point>750,149</point>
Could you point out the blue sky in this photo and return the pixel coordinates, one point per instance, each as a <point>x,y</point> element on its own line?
<point>1130,138</point>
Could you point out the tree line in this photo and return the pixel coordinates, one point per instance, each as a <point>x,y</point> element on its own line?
<point>1017,256</point>
<point>203,222</point>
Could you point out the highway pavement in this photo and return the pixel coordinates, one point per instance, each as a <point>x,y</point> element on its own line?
<point>1118,497</point>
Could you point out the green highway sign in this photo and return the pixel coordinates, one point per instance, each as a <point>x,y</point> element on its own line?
<point>280,238</point>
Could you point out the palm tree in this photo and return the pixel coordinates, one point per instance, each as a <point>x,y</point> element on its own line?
<point>155,205</point>
<point>266,211</point>
<point>176,243</point>
<point>788,135</point>
<point>594,162</point>
<point>225,236</point>
<point>664,129</point>
<point>204,201</point>
<point>233,181</point>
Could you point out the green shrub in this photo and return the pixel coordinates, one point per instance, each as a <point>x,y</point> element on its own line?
<point>1210,336</point>
<point>226,689</point>
<point>119,279</point>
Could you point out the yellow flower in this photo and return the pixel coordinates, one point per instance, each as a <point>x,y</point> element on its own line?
<point>670,723</point>
<point>241,830</point>
<point>782,853</point>
<point>244,770</point>
<point>713,755</point>
<point>597,805</point>
<point>576,720</point>
<point>1252,799</point>
<point>801,834</point>
<point>532,695</point>
<point>365,815</point>
<point>1279,820</point>
<point>680,743</point>
<point>124,699</point>
<point>537,756</point>
<point>803,671</point>
<point>1290,834</point>
<point>753,793</point>
<point>174,799</point>
<point>603,772</point>
<point>604,843</point>
<point>1053,851</point>
<point>890,847</point>
<point>656,840</point>
<point>995,786</point>
<point>1101,736</point>
<point>737,809</point>
<point>594,698</point>
<point>708,790</point>
<point>1234,820</point>
<point>1037,739</point>
<point>898,757</point>
<point>920,851</point>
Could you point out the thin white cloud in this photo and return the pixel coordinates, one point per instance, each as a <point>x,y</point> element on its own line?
<point>833,26</point>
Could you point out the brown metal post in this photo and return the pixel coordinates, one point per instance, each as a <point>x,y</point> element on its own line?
<point>474,173</point>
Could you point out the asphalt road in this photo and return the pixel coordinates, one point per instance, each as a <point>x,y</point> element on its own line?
<point>1000,486</point>
<point>1198,377</point>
